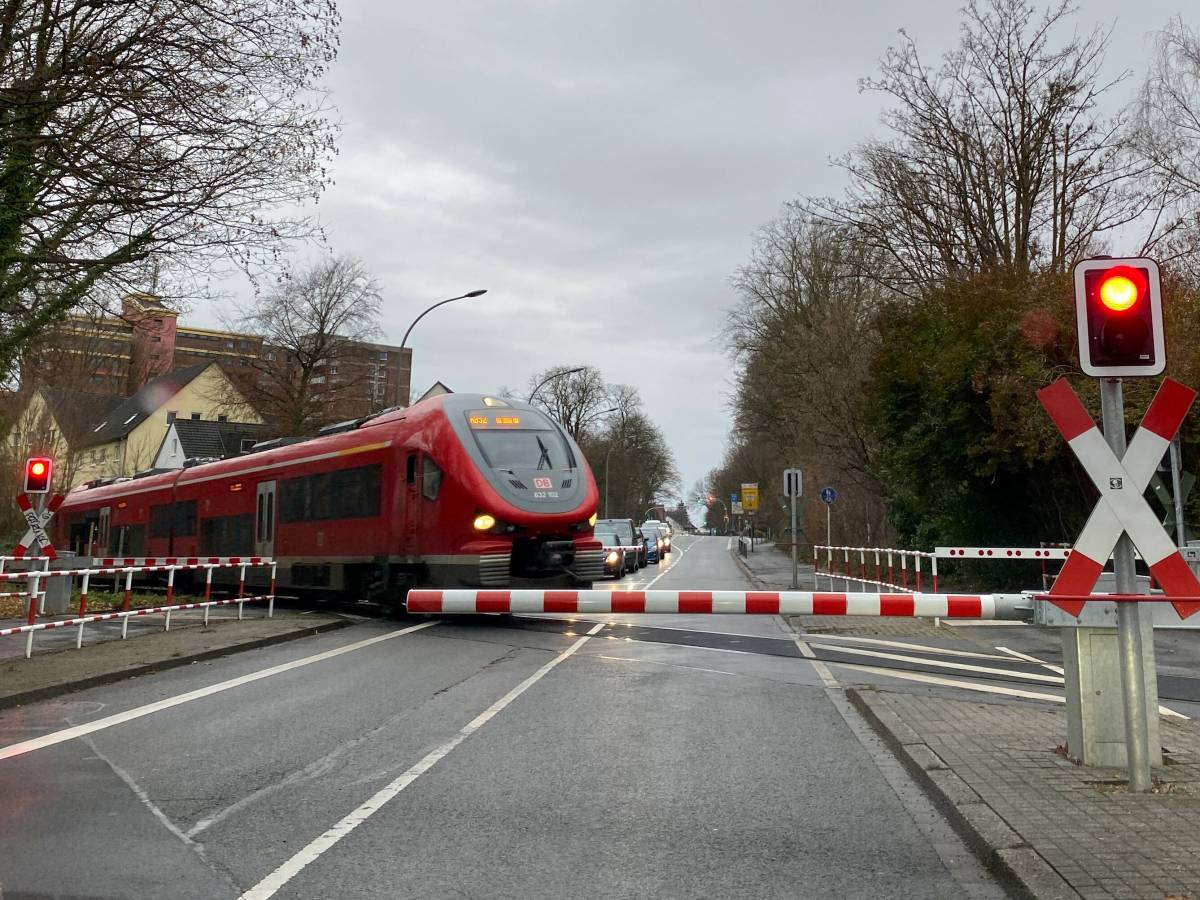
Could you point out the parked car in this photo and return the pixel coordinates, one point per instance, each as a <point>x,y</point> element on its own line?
<point>614,553</point>
<point>653,542</point>
<point>628,533</point>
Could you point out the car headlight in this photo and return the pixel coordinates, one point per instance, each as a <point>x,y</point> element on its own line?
<point>613,556</point>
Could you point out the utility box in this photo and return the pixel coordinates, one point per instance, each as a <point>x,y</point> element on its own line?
<point>57,589</point>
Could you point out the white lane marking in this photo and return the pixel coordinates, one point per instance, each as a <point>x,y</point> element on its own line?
<point>1033,659</point>
<point>68,734</point>
<point>952,682</point>
<point>901,645</point>
<point>650,662</point>
<point>1162,710</point>
<point>309,854</point>
<point>941,664</point>
<point>729,544</point>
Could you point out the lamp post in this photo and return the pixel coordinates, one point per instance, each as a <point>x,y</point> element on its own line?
<point>404,340</point>
<point>551,377</point>
<point>469,294</point>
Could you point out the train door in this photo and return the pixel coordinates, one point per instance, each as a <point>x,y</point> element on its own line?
<point>264,520</point>
<point>412,504</point>
<point>100,538</point>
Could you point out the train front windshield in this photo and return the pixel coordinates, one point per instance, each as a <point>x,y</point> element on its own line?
<point>519,440</point>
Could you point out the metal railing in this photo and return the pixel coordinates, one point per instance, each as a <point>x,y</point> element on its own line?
<point>35,591</point>
<point>841,561</point>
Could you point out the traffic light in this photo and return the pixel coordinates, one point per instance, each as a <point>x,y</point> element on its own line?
<point>1118,308</point>
<point>37,475</point>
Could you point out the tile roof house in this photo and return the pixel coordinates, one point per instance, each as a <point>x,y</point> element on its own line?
<point>192,439</point>
<point>111,438</point>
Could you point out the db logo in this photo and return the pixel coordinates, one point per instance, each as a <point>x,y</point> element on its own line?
<point>543,484</point>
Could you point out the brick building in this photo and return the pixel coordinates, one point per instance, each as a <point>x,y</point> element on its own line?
<point>148,341</point>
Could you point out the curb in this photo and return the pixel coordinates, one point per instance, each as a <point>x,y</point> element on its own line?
<point>58,690</point>
<point>1002,851</point>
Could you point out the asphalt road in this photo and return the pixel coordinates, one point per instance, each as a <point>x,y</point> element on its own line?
<point>493,757</point>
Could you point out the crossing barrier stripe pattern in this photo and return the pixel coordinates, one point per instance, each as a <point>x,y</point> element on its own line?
<point>178,560</point>
<point>1002,552</point>
<point>1121,507</point>
<point>800,603</point>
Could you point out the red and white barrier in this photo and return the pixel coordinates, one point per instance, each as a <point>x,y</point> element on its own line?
<point>882,559</point>
<point>170,565</point>
<point>1035,553</point>
<point>769,603</point>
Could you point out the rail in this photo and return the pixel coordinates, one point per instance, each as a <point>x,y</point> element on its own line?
<point>170,565</point>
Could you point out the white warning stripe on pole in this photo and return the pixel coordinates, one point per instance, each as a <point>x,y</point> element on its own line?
<point>800,603</point>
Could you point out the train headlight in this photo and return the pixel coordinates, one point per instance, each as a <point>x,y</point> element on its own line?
<point>592,521</point>
<point>484,522</point>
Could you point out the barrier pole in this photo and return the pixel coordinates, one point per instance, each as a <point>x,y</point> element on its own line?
<point>170,585</point>
<point>935,574</point>
<point>271,595</point>
<point>83,589</point>
<point>128,601</point>
<point>862,565</point>
<point>878,574</point>
<point>829,565</point>
<point>917,563</point>
<point>904,569</point>
<point>241,591</point>
<point>31,618</point>
<point>208,585</point>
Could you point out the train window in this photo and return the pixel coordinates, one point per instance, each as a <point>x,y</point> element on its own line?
<point>343,494</point>
<point>410,471</point>
<point>261,532</point>
<point>431,479</point>
<point>179,517</point>
<point>523,449</point>
<point>270,523</point>
<point>127,540</point>
<point>227,535</point>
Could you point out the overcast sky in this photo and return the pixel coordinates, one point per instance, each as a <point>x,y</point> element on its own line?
<point>600,166</point>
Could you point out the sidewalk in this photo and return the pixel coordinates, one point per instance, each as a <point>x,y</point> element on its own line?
<point>1056,829</point>
<point>61,671</point>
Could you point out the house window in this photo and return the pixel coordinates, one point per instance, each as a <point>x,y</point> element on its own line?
<point>247,443</point>
<point>270,356</point>
<point>383,356</point>
<point>333,370</point>
<point>222,418</point>
<point>195,417</point>
<point>171,413</point>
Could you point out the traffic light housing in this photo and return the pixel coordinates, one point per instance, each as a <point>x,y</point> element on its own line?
<point>38,472</point>
<point>1118,308</point>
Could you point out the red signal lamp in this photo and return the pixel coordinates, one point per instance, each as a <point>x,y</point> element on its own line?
<point>37,475</point>
<point>1118,307</point>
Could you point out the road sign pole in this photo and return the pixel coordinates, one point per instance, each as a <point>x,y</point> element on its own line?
<point>795,549</point>
<point>1129,630</point>
<point>828,524</point>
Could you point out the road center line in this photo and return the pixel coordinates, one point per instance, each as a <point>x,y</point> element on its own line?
<point>290,869</point>
<point>68,734</point>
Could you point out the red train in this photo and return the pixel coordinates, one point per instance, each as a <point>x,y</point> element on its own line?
<point>458,490</point>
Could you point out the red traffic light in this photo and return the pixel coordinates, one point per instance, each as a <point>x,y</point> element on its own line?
<point>1121,287</point>
<point>37,475</point>
<point>1118,305</point>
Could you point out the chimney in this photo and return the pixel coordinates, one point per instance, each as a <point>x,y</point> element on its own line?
<point>152,346</point>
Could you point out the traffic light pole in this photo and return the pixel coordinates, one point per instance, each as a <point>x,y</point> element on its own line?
<point>1129,630</point>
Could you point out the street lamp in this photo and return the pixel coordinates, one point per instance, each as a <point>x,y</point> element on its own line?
<point>469,294</point>
<point>551,377</point>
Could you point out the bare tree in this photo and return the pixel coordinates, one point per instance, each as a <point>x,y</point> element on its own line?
<point>306,376</point>
<point>1166,133</point>
<point>576,396</point>
<point>137,134</point>
<point>1000,158</point>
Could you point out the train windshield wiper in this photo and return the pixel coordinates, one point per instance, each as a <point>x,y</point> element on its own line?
<point>545,457</point>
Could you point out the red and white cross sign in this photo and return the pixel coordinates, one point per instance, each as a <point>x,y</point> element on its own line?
<point>37,526</point>
<point>1122,507</point>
